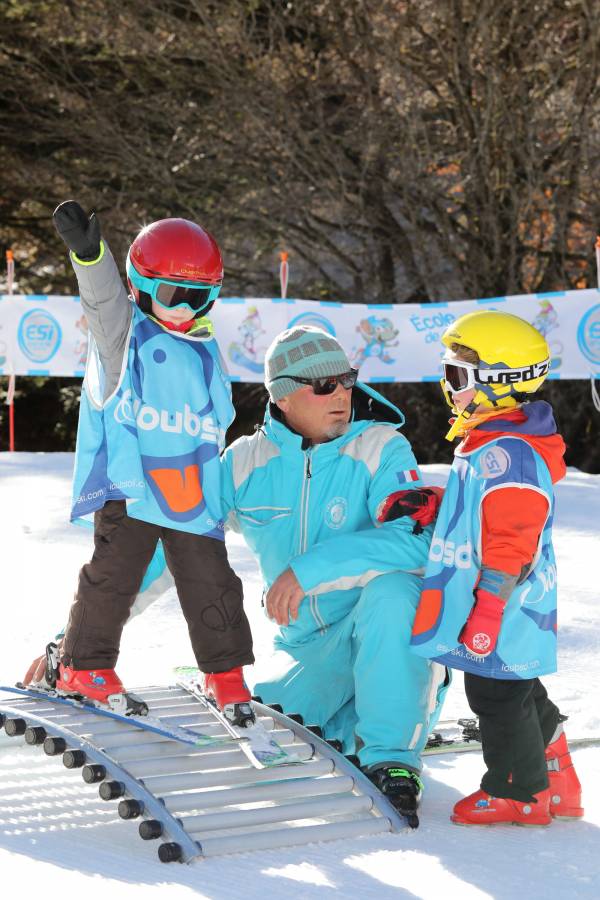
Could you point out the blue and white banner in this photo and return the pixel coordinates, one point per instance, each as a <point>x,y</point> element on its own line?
<point>47,335</point>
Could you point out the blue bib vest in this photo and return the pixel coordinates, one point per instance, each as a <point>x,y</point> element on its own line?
<point>527,644</point>
<point>155,441</point>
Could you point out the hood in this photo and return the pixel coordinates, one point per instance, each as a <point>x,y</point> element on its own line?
<point>367,406</point>
<point>534,422</point>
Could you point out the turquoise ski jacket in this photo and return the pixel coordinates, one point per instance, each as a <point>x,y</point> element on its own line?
<point>314,508</point>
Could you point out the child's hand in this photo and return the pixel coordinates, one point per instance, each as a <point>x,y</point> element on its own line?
<point>480,632</point>
<point>36,673</point>
<point>80,234</point>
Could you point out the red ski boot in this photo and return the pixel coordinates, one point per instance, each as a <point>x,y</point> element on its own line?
<point>482,809</point>
<point>102,687</point>
<point>229,692</point>
<point>95,684</point>
<point>565,787</point>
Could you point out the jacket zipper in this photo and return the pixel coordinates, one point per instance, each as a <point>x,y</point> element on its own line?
<point>314,608</point>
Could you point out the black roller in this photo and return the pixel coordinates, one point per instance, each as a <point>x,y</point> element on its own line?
<point>315,729</point>
<point>35,734</point>
<point>74,759</point>
<point>2,719</point>
<point>150,829</point>
<point>130,809</point>
<point>170,853</point>
<point>110,790</point>
<point>92,774</point>
<point>15,727</point>
<point>53,746</point>
<point>335,744</point>
<point>274,706</point>
<point>296,717</point>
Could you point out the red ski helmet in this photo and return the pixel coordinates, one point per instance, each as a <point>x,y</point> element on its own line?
<point>175,250</point>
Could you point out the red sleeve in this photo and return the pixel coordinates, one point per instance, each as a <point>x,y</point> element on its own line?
<point>512,520</point>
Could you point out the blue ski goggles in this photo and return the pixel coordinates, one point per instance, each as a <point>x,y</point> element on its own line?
<point>170,294</point>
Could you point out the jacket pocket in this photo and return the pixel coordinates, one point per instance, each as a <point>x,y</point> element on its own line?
<point>262,516</point>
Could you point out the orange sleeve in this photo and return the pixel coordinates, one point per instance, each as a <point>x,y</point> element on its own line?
<point>512,520</point>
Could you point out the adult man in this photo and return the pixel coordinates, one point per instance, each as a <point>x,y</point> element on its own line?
<point>307,490</point>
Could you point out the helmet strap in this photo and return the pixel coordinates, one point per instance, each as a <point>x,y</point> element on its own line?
<point>459,425</point>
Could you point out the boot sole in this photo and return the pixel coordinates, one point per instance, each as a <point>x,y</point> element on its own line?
<point>491,824</point>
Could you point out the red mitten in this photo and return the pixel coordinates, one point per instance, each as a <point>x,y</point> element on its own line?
<point>421,504</point>
<point>480,631</point>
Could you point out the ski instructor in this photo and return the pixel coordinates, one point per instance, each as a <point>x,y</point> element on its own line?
<point>319,494</point>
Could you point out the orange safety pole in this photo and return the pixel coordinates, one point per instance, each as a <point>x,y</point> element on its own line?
<point>283,274</point>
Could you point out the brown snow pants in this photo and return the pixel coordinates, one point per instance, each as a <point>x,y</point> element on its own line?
<point>209,591</point>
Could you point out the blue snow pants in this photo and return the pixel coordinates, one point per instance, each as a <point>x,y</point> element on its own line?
<point>359,680</point>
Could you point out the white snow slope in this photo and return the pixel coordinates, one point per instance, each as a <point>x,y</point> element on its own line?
<point>56,836</point>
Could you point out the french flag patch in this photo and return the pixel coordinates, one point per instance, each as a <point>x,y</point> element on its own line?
<point>407,476</point>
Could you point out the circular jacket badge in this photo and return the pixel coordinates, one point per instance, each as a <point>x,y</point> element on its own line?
<point>336,512</point>
<point>494,462</point>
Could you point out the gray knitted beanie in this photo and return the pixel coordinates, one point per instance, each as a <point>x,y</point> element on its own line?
<point>305,351</point>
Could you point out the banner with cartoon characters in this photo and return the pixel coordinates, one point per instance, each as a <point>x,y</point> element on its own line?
<point>47,335</point>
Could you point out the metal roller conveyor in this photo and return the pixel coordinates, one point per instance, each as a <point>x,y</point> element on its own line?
<point>209,799</point>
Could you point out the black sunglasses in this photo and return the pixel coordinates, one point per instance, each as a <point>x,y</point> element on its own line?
<point>327,383</point>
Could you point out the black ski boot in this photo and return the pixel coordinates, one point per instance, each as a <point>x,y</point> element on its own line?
<point>402,788</point>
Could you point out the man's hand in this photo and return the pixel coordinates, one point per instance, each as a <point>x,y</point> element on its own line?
<point>36,672</point>
<point>284,597</point>
<point>421,504</point>
<point>481,630</point>
<point>80,234</point>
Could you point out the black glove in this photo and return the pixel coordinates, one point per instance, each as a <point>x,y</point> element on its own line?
<point>80,234</point>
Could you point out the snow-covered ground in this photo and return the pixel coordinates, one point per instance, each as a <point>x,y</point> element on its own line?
<point>56,836</point>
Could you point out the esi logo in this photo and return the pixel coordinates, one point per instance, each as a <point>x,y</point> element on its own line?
<point>588,335</point>
<point>39,335</point>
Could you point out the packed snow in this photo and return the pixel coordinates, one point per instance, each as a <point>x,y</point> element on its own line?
<point>58,837</point>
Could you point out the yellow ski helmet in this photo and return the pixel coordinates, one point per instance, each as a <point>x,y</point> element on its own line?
<point>514,360</point>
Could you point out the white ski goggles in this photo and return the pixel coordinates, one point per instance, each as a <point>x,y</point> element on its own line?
<point>458,375</point>
<point>462,376</point>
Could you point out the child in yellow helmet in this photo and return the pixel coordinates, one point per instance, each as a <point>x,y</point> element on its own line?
<point>488,604</point>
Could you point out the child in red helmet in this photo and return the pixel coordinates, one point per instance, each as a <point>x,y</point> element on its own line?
<point>155,407</point>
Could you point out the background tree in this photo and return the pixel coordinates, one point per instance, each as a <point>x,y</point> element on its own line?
<point>402,150</point>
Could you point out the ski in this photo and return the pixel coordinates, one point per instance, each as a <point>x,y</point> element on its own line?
<point>438,744</point>
<point>260,747</point>
<point>145,723</point>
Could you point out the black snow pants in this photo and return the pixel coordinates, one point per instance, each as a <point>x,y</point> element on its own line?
<point>209,591</point>
<point>517,720</point>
